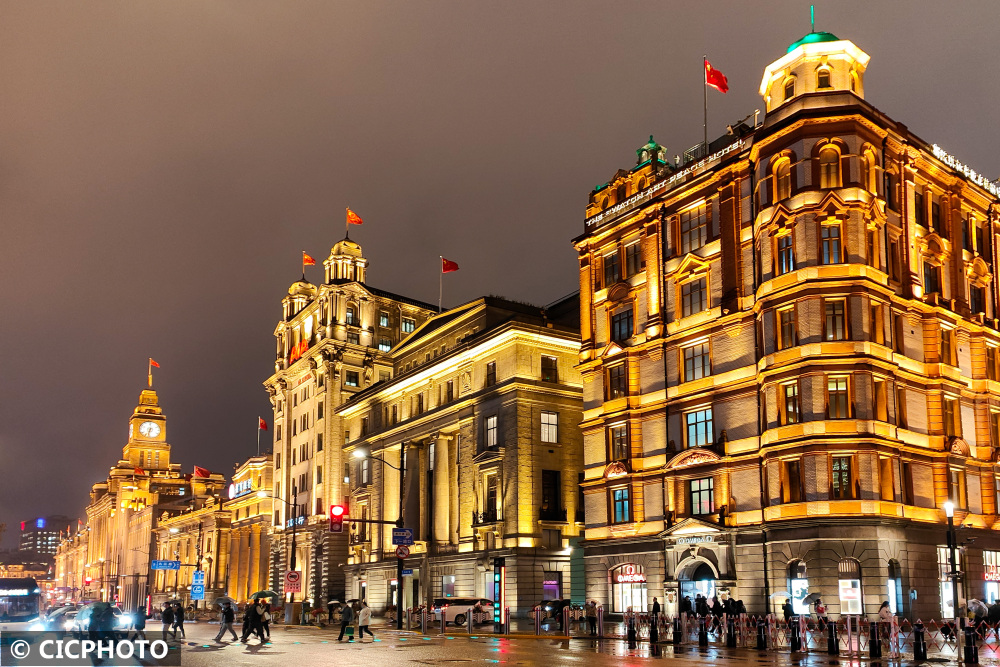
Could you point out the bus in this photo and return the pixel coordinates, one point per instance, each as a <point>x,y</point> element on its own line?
<point>20,604</point>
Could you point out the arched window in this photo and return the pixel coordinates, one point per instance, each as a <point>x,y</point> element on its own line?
<point>867,172</point>
<point>642,183</point>
<point>823,79</point>
<point>621,193</point>
<point>894,587</point>
<point>829,167</point>
<point>789,89</point>
<point>782,179</point>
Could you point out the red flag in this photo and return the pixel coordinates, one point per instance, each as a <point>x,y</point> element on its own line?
<point>447,266</point>
<point>138,471</point>
<point>202,472</point>
<point>715,78</point>
<point>261,424</point>
<point>153,363</point>
<point>307,260</point>
<point>353,218</point>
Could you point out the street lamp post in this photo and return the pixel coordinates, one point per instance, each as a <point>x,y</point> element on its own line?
<point>949,512</point>
<point>362,454</point>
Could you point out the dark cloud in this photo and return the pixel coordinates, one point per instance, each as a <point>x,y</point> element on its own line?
<point>162,164</point>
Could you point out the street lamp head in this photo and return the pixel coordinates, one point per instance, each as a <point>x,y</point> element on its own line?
<point>949,509</point>
<point>173,530</point>
<point>360,454</point>
<point>262,494</point>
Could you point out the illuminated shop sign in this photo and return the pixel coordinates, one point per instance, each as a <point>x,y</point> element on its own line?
<point>971,174</point>
<point>297,351</point>
<point>993,573</point>
<point>627,574</point>
<point>298,522</point>
<point>18,592</point>
<point>238,489</point>
<point>696,540</point>
<point>664,185</point>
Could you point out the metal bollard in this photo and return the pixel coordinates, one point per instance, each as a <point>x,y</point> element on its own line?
<point>468,619</point>
<point>761,634</point>
<point>538,620</point>
<point>794,638</point>
<point>678,633</point>
<point>731,631</point>
<point>409,618</point>
<point>919,642</point>
<point>565,621</point>
<point>423,621</point>
<point>654,628</point>
<point>506,620</point>
<point>971,650</point>
<point>874,641</point>
<point>832,641</point>
<point>702,632</point>
<point>600,622</point>
<point>443,621</point>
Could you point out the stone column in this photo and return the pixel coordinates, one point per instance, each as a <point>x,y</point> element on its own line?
<point>442,491</point>
<point>253,559</point>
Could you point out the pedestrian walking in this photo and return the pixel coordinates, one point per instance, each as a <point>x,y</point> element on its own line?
<point>357,611</point>
<point>331,606</point>
<point>265,620</point>
<point>139,623</point>
<point>786,610</point>
<point>656,608</point>
<point>346,623</point>
<point>591,612</point>
<point>821,614</point>
<point>884,620</point>
<point>252,624</point>
<point>167,618</point>
<point>226,622</point>
<point>364,619</point>
<point>179,621</point>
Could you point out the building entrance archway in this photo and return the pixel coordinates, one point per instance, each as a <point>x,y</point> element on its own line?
<point>698,578</point>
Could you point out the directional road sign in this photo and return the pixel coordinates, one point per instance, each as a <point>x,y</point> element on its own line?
<point>402,536</point>
<point>166,565</point>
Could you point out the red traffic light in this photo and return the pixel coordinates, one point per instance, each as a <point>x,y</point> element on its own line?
<point>87,580</point>
<point>337,510</point>
<point>337,514</point>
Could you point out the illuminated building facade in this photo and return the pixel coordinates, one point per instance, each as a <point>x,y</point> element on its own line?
<point>124,511</point>
<point>41,535</point>
<point>251,516</point>
<point>482,414</point>
<point>333,341</point>
<point>789,359</point>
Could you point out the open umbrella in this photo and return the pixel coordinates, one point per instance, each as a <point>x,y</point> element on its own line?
<point>224,599</point>
<point>811,598</point>
<point>265,594</point>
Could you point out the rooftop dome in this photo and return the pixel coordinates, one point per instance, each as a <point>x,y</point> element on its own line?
<point>302,288</point>
<point>347,247</point>
<point>812,38</point>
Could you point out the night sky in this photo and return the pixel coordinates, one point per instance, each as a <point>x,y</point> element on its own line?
<point>163,164</point>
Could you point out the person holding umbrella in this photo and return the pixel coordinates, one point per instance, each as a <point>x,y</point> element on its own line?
<point>265,620</point>
<point>226,622</point>
<point>167,618</point>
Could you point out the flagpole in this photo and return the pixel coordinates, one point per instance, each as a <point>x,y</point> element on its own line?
<point>149,372</point>
<point>440,282</point>
<point>347,224</point>
<point>258,436</point>
<point>704,76</point>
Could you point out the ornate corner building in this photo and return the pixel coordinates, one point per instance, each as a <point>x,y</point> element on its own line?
<point>789,360</point>
<point>333,341</point>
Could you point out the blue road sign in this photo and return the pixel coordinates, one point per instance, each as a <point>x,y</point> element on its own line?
<point>407,572</point>
<point>198,577</point>
<point>165,565</point>
<point>402,537</point>
<point>197,591</point>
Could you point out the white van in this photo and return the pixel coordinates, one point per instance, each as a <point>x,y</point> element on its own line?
<point>455,610</point>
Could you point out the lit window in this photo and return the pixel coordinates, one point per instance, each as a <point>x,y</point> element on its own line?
<point>786,254</point>
<point>408,325</point>
<point>702,496</point>
<point>783,179</point>
<point>829,168</point>
<point>693,297</point>
<point>550,427</point>
<point>840,486</point>
<point>491,431</point>
<point>617,382</point>
<point>620,505</point>
<point>351,378</point>
<point>383,319</point>
<point>787,335</point>
<point>351,315</point>
<point>831,251</point>
<point>618,436</point>
<point>790,403</point>
<point>699,428</point>
<point>838,405</point>
<point>835,328</point>
<point>384,344</point>
<point>694,228</point>
<point>353,338</point>
<point>633,259</point>
<point>621,326</point>
<point>697,363</point>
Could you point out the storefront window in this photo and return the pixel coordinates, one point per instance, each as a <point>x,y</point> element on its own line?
<point>448,586</point>
<point>628,588</point>
<point>991,566</point>
<point>947,592</point>
<point>849,586</point>
<point>551,585</point>
<point>798,587</point>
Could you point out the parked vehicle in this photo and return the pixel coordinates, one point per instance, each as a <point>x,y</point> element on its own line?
<point>455,610</point>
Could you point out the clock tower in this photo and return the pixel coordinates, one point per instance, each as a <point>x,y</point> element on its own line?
<point>147,446</point>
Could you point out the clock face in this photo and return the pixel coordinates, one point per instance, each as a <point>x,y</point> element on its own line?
<point>149,429</point>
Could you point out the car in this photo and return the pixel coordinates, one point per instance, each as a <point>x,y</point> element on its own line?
<point>455,610</point>
<point>123,622</point>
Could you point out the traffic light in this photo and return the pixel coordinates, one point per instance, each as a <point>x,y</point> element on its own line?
<point>87,580</point>
<point>337,515</point>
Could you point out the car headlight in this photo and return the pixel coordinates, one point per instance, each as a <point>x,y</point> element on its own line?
<point>123,621</point>
<point>69,625</point>
<point>36,627</point>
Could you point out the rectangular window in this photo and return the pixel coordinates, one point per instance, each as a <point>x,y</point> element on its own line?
<point>881,400</point>
<point>871,246</point>
<point>946,351</point>
<point>790,403</point>
<point>633,259</point>
<point>365,471</point>
<point>791,482</point>
<point>697,363</point>
<point>408,325</point>
<point>876,324</point>
<point>698,425</point>
<point>612,268</point>
<point>906,475</point>
<point>693,297</point>
<point>383,376</point>
<point>551,496</point>
<point>694,228</point>
<point>364,426</point>
<point>787,334</point>
<point>991,362</point>
<point>831,249</point>
<point>950,415</point>
<point>834,326</point>
<point>277,460</point>
<point>894,257</point>
<point>841,487</point>
<point>450,391</point>
<point>550,370</point>
<point>621,326</point>
<point>981,248</point>
<point>491,373</point>
<point>618,436</point>
<point>786,254</point>
<point>352,379</point>
<point>384,344</point>
<point>966,235</point>
<point>936,217</point>
<point>838,404</point>
<point>898,333</point>
<point>995,430</point>
<point>550,426</point>
<point>319,474</point>
<point>395,414</point>
<point>383,318</point>
<point>932,278</point>
<point>977,299</point>
<point>957,492</point>
<point>319,442</point>
<point>491,432</point>
<point>919,216</point>
<point>353,338</point>
<point>617,382</point>
<point>702,496</point>
<point>420,404</point>
<point>621,510</point>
